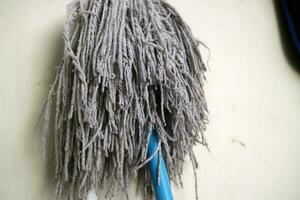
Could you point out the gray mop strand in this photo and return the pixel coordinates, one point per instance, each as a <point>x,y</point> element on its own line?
<point>129,66</point>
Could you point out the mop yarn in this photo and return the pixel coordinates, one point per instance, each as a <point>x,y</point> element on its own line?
<point>129,66</point>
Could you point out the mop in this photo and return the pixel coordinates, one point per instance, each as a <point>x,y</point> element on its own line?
<point>127,102</point>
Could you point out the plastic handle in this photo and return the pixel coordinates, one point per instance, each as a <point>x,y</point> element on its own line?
<point>163,189</point>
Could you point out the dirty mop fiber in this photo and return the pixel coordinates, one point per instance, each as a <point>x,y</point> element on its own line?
<point>129,66</point>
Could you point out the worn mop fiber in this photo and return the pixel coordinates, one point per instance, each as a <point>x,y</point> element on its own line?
<point>129,66</point>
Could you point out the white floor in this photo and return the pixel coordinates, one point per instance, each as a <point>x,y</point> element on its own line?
<point>253,96</point>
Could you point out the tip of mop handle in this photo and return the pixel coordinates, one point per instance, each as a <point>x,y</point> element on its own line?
<point>162,189</point>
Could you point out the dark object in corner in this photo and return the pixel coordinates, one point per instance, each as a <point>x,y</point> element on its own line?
<point>291,13</point>
<point>288,16</point>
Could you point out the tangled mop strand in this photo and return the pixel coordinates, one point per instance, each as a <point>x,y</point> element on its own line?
<point>129,66</point>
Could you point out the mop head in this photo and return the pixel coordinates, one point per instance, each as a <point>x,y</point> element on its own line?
<point>129,66</point>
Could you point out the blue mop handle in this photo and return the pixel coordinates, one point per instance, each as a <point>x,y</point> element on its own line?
<point>163,189</point>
